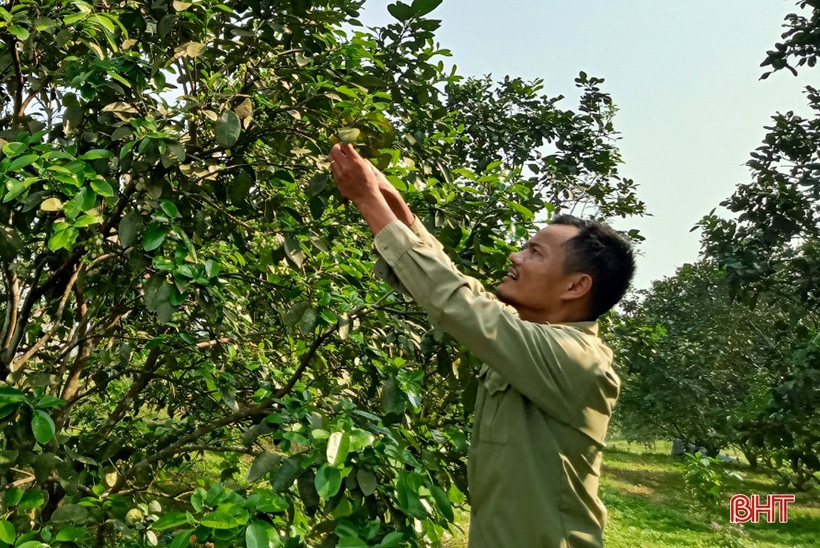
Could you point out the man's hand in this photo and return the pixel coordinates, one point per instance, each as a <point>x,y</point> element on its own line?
<point>388,191</point>
<point>356,179</point>
<point>355,176</point>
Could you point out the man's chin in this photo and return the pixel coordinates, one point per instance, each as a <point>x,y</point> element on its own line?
<point>502,295</point>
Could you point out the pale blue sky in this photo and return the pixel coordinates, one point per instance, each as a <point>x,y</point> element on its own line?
<point>684,75</point>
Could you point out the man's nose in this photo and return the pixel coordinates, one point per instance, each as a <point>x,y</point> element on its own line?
<point>515,258</point>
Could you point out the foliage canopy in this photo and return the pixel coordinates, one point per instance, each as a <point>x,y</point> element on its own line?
<point>194,348</point>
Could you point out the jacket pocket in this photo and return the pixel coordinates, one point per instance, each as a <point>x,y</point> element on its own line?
<point>495,419</point>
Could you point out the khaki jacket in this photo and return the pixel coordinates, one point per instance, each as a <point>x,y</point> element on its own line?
<point>542,409</point>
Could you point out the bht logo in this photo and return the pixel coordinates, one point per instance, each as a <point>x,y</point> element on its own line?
<point>743,509</point>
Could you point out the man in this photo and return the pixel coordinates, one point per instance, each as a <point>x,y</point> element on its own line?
<point>548,385</point>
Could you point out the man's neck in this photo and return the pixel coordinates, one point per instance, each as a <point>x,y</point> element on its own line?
<point>551,316</point>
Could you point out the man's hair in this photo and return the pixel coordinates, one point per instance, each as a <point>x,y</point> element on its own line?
<point>605,255</point>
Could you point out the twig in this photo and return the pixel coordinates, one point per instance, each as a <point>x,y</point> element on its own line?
<point>20,83</point>
<point>232,449</point>
<point>18,364</point>
<point>13,291</point>
<point>151,365</point>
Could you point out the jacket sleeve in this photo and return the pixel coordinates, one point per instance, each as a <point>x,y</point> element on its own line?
<point>386,273</point>
<point>554,366</point>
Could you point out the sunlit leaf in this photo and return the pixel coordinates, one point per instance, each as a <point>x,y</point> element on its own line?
<point>228,127</point>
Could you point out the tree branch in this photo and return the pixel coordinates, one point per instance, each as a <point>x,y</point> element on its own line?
<point>15,335</point>
<point>261,409</point>
<point>19,84</point>
<point>175,447</point>
<point>84,354</point>
<point>232,449</point>
<point>151,365</point>
<point>13,292</point>
<point>18,365</point>
<point>304,363</point>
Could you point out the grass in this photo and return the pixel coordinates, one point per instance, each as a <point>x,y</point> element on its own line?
<point>643,490</point>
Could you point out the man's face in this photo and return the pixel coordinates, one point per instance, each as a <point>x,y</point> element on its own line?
<point>536,279</point>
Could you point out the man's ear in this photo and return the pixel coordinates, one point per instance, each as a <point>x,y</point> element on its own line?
<point>580,286</point>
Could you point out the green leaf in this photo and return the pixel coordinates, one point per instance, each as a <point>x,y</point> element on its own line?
<point>43,23</point>
<point>526,213</point>
<point>11,395</point>
<point>71,534</point>
<point>129,228</point>
<point>168,521</point>
<point>12,497</point>
<point>391,540</point>
<point>7,409</point>
<point>228,127</point>
<point>295,313</point>
<point>96,154</point>
<point>121,133</point>
<point>442,502</point>
<point>163,264</point>
<point>263,464</point>
<point>14,149</point>
<point>63,237</point>
<point>408,497</point>
<point>84,200</point>
<point>212,268</point>
<point>349,135</point>
<point>396,182</point>
<point>102,187</point>
<point>10,245</point>
<point>154,236</point>
<point>423,7</point>
<point>367,481</point>
<point>182,540</point>
<point>338,446</point>
<point>294,252</point>
<point>328,481</point>
<point>218,520</point>
<point>169,208</point>
<point>256,535</point>
<point>162,301</point>
<point>32,499</point>
<point>286,475</point>
<point>7,533</point>
<point>87,220</point>
<point>400,11</point>
<point>317,183</point>
<point>22,161</point>
<point>42,426</point>
<point>309,320</point>
<point>70,513</point>
<point>31,544</point>
<point>393,400</point>
<point>19,32</point>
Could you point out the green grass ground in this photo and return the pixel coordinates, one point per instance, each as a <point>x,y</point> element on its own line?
<point>643,490</point>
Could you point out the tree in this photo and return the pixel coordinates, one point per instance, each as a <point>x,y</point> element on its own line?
<point>771,252</point>
<point>194,348</point>
<point>691,359</point>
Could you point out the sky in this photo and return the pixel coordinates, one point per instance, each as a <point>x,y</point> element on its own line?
<point>684,76</point>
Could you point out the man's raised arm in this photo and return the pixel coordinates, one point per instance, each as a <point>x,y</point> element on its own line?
<point>403,213</point>
<point>528,355</point>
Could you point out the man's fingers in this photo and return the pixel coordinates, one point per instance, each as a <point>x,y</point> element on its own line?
<point>337,153</point>
<point>349,151</point>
